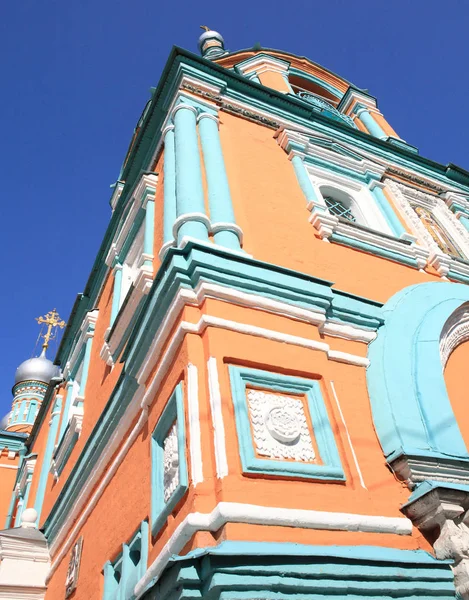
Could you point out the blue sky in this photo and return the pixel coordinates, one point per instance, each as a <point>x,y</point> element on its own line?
<point>76,76</point>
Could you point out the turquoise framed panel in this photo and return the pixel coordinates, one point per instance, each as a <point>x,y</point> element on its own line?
<point>121,576</point>
<point>173,413</point>
<point>330,467</point>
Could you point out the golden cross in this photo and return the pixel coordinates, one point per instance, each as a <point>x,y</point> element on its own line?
<point>52,320</point>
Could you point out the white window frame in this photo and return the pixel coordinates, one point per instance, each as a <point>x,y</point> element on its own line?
<point>406,198</point>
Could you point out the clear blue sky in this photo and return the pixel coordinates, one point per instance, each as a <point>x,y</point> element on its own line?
<point>76,76</point>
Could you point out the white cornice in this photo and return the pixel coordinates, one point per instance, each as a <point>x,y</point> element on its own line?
<point>263,63</point>
<point>143,192</point>
<point>86,331</point>
<point>237,512</point>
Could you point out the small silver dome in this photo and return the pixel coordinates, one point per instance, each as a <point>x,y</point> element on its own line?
<point>36,369</point>
<point>209,35</point>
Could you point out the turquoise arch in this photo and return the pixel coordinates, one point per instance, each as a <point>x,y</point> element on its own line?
<point>411,409</point>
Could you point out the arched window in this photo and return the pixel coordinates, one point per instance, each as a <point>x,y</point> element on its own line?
<point>338,208</point>
<point>341,205</point>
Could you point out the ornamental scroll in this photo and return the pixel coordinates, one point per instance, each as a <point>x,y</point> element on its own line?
<point>438,235</point>
<point>73,568</point>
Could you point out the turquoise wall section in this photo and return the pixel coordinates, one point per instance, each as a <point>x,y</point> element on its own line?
<point>411,409</point>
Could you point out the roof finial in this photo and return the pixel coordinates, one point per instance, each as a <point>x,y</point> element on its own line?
<point>52,320</point>
<point>211,43</point>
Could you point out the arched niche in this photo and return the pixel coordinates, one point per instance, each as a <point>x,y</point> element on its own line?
<point>412,412</point>
<point>454,351</point>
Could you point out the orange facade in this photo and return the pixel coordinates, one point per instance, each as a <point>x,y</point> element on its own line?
<point>240,382</point>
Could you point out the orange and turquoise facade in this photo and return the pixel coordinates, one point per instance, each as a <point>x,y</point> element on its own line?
<point>261,390</point>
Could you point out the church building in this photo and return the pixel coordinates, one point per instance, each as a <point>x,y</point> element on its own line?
<point>258,394</point>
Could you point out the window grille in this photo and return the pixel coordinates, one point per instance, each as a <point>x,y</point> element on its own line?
<point>338,208</point>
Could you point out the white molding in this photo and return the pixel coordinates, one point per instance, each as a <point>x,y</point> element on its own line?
<point>188,217</point>
<point>217,418</point>
<point>404,196</point>
<point>26,473</point>
<point>2,466</point>
<point>263,63</point>
<point>354,98</point>
<point>86,331</point>
<point>116,194</point>
<point>347,433</point>
<point>144,397</point>
<point>136,200</point>
<point>139,289</point>
<point>195,446</point>
<point>210,290</point>
<point>455,332</point>
<point>236,512</point>
<point>74,427</point>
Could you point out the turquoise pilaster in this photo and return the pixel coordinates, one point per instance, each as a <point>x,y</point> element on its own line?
<point>219,197</point>
<point>386,209</point>
<point>10,510</point>
<point>149,232</point>
<point>169,212</point>
<point>53,428</point>
<point>66,409</point>
<point>464,221</point>
<point>125,572</point>
<point>19,512</point>
<point>86,363</point>
<point>109,582</point>
<point>116,297</point>
<point>373,128</point>
<point>304,180</point>
<point>144,532</point>
<point>189,192</point>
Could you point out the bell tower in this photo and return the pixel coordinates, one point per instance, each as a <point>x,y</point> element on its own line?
<point>32,378</point>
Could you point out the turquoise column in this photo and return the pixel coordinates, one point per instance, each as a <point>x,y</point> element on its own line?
<point>465,221</point>
<point>365,117</point>
<point>219,197</point>
<point>53,427</point>
<point>189,191</point>
<point>169,169</point>
<point>304,180</point>
<point>10,509</point>
<point>86,363</point>
<point>149,232</point>
<point>144,531</point>
<point>125,572</point>
<point>19,512</point>
<point>386,209</point>
<point>116,296</point>
<point>66,409</point>
<point>109,582</point>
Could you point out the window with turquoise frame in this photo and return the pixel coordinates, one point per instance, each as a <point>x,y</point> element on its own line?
<point>169,467</point>
<point>122,575</point>
<point>283,426</point>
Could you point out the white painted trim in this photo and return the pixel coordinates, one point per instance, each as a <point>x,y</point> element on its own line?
<point>455,332</point>
<point>186,218</point>
<point>209,290</point>
<point>262,64</point>
<point>349,439</point>
<point>136,199</point>
<point>217,418</point>
<point>86,331</point>
<point>143,399</point>
<point>236,512</point>
<point>2,466</point>
<point>195,446</point>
